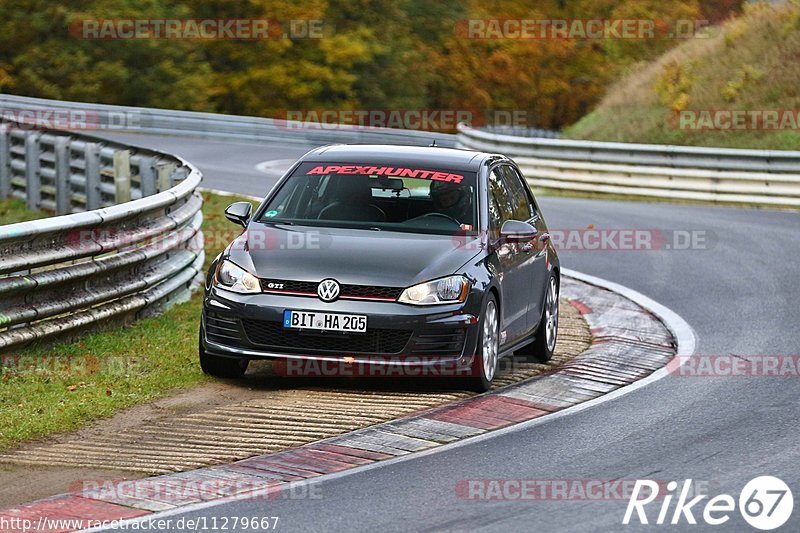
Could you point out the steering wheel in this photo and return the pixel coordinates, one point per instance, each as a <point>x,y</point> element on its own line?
<point>448,217</point>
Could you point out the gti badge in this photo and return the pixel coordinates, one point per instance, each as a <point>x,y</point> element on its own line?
<point>328,290</point>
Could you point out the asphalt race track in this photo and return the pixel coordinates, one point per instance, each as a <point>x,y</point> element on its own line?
<point>740,295</point>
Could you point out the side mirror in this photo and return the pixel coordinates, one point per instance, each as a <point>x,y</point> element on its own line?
<point>239,213</point>
<point>517,231</point>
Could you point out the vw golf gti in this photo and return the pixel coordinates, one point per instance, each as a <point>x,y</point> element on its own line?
<point>411,257</point>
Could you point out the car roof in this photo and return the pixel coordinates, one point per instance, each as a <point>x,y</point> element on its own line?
<point>446,158</point>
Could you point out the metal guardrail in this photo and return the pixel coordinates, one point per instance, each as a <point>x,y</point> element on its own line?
<point>127,245</point>
<point>217,126</point>
<point>69,174</point>
<point>767,177</point>
<point>519,131</point>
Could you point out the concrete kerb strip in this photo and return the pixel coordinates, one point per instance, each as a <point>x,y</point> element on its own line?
<point>651,332</point>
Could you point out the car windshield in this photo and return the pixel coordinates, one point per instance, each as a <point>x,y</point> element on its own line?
<point>408,198</point>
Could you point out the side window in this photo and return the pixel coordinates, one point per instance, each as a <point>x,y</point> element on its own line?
<point>500,204</point>
<point>520,198</point>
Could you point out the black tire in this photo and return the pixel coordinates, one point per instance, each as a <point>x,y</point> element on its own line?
<point>542,348</point>
<point>221,367</point>
<point>479,381</point>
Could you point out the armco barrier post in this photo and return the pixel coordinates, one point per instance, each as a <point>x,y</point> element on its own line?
<point>63,192</point>
<point>165,172</point>
<point>33,184</point>
<point>147,175</point>
<point>5,162</point>
<point>122,176</point>
<point>92,170</point>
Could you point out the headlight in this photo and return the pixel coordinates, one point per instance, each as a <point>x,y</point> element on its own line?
<point>236,279</point>
<point>453,289</point>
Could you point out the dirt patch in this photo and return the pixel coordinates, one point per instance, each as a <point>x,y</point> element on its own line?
<point>20,484</point>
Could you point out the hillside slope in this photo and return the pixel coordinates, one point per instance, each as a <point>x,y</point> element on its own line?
<point>750,65</point>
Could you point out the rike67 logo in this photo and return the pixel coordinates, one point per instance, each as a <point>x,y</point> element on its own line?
<point>765,503</point>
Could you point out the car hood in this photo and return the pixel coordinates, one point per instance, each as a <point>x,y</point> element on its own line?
<point>362,257</point>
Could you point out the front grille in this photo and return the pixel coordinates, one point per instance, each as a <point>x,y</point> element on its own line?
<point>290,286</point>
<point>443,343</point>
<point>222,329</point>
<point>367,291</point>
<point>347,291</point>
<point>375,341</point>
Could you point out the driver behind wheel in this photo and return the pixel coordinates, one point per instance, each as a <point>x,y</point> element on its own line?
<point>452,200</point>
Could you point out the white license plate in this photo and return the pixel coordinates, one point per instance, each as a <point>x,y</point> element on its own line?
<point>324,321</point>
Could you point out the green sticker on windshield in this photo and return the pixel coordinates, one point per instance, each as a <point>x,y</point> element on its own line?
<point>271,213</point>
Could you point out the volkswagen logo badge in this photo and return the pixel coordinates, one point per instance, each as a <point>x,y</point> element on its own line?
<point>328,290</point>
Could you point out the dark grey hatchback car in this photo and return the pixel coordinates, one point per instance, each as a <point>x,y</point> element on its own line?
<point>423,260</point>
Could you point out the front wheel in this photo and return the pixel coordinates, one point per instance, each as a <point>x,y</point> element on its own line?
<point>221,367</point>
<point>544,345</point>
<point>485,363</point>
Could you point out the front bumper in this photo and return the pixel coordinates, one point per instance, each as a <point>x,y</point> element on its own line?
<point>250,326</point>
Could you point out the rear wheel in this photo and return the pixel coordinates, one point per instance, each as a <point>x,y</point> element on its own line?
<point>544,345</point>
<point>221,367</point>
<point>485,363</point>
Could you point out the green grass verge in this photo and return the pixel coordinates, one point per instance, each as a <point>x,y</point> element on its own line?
<point>14,210</point>
<point>749,63</point>
<point>62,387</point>
<point>742,65</point>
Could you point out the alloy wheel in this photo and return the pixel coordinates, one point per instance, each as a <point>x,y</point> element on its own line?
<point>551,315</point>
<point>491,341</point>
